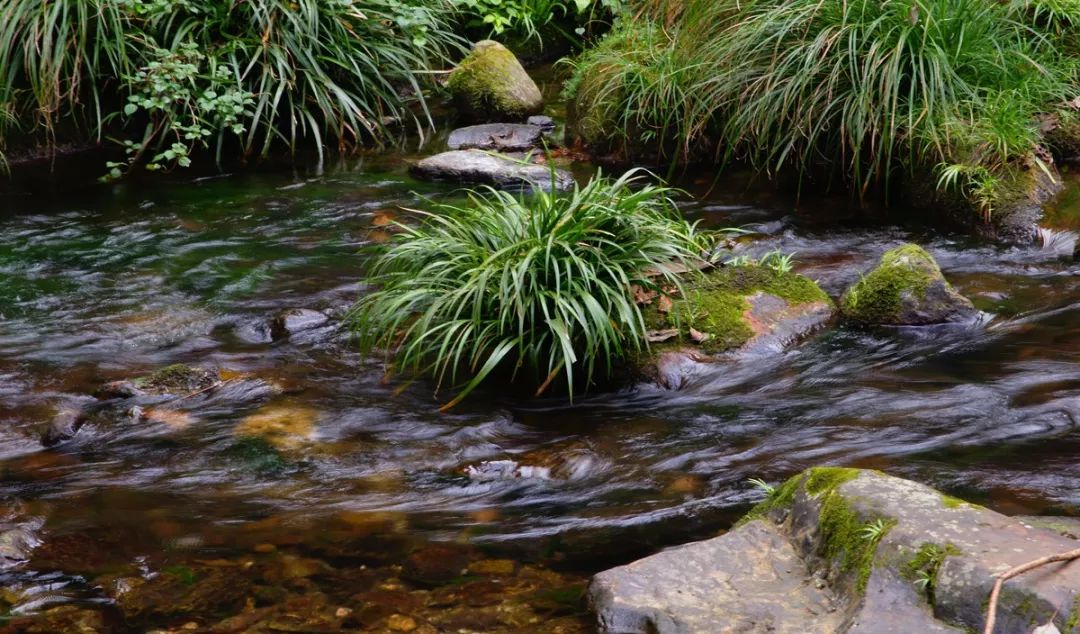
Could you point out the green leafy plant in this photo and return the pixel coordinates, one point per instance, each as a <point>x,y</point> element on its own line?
<point>526,19</point>
<point>874,530</point>
<point>778,261</point>
<point>181,72</point>
<point>540,283</point>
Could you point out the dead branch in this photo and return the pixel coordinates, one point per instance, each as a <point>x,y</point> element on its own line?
<point>991,615</point>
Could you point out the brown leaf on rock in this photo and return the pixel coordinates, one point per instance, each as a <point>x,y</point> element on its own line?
<point>659,336</point>
<point>641,295</point>
<point>699,337</point>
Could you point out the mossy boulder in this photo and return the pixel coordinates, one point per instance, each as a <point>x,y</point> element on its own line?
<point>731,309</point>
<point>490,85</point>
<point>906,288</point>
<point>847,550</point>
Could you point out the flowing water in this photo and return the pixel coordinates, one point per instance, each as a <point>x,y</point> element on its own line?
<point>359,510</point>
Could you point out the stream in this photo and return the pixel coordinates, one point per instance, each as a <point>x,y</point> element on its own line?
<point>361,513</point>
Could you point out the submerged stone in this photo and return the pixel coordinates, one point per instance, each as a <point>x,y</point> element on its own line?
<point>490,85</point>
<point>484,168</point>
<point>295,321</point>
<point>906,288</point>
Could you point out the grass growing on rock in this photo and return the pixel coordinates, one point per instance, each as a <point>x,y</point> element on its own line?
<point>922,569</point>
<point>535,284</point>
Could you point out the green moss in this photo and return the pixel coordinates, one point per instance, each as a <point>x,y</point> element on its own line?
<point>826,479</point>
<point>715,303</point>
<point>877,297</point>
<point>848,540</point>
<point>491,81</point>
<point>781,497</point>
<point>952,503</point>
<point>1072,624</point>
<point>922,569</point>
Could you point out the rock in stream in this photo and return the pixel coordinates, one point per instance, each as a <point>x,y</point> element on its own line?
<point>847,550</point>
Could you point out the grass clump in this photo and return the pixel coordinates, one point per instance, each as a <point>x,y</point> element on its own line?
<point>852,90</point>
<point>169,77</point>
<point>539,283</point>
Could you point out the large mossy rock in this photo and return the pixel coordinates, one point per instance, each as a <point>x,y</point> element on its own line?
<point>733,309</point>
<point>490,85</point>
<point>849,551</point>
<point>906,288</point>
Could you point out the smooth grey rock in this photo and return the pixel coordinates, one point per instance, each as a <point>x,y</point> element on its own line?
<point>748,580</point>
<point>980,543</point>
<point>544,122</point>
<point>501,137</point>
<point>484,168</point>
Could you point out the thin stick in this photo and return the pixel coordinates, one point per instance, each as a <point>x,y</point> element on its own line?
<point>991,616</point>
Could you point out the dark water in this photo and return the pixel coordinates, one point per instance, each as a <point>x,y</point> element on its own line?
<point>360,486</point>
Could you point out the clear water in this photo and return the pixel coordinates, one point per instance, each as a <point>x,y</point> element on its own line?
<point>110,283</point>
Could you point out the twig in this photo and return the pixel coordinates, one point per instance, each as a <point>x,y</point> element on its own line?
<point>991,615</point>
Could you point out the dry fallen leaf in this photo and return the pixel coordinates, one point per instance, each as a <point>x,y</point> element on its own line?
<point>640,295</point>
<point>663,304</point>
<point>699,337</point>
<point>658,336</point>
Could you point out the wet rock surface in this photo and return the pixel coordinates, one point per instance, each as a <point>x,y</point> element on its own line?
<point>906,288</point>
<point>498,137</point>
<point>501,172</point>
<point>846,550</point>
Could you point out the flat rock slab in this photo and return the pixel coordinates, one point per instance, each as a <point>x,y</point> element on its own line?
<point>925,563</point>
<point>500,137</point>
<point>476,167</point>
<point>749,580</point>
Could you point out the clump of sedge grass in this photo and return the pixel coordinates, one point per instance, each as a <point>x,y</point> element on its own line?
<point>539,283</point>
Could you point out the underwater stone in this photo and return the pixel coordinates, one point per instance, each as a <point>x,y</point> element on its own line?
<point>906,288</point>
<point>491,85</point>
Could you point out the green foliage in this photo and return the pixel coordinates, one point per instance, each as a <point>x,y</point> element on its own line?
<point>526,19</point>
<point>183,71</point>
<point>632,93</point>
<point>922,569</point>
<point>762,486</point>
<point>858,89</point>
<point>538,282</point>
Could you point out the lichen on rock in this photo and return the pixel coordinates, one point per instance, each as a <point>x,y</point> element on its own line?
<point>906,288</point>
<point>490,85</point>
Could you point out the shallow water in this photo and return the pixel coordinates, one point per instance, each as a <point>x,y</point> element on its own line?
<point>365,475</point>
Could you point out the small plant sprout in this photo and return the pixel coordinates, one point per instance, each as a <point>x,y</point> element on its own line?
<point>762,485</point>
<point>874,530</point>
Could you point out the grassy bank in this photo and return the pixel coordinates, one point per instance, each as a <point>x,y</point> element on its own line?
<point>166,78</point>
<point>856,91</point>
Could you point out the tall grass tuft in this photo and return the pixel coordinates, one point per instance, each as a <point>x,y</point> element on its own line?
<point>856,89</point>
<point>539,283</point>
<point>329,71</point>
